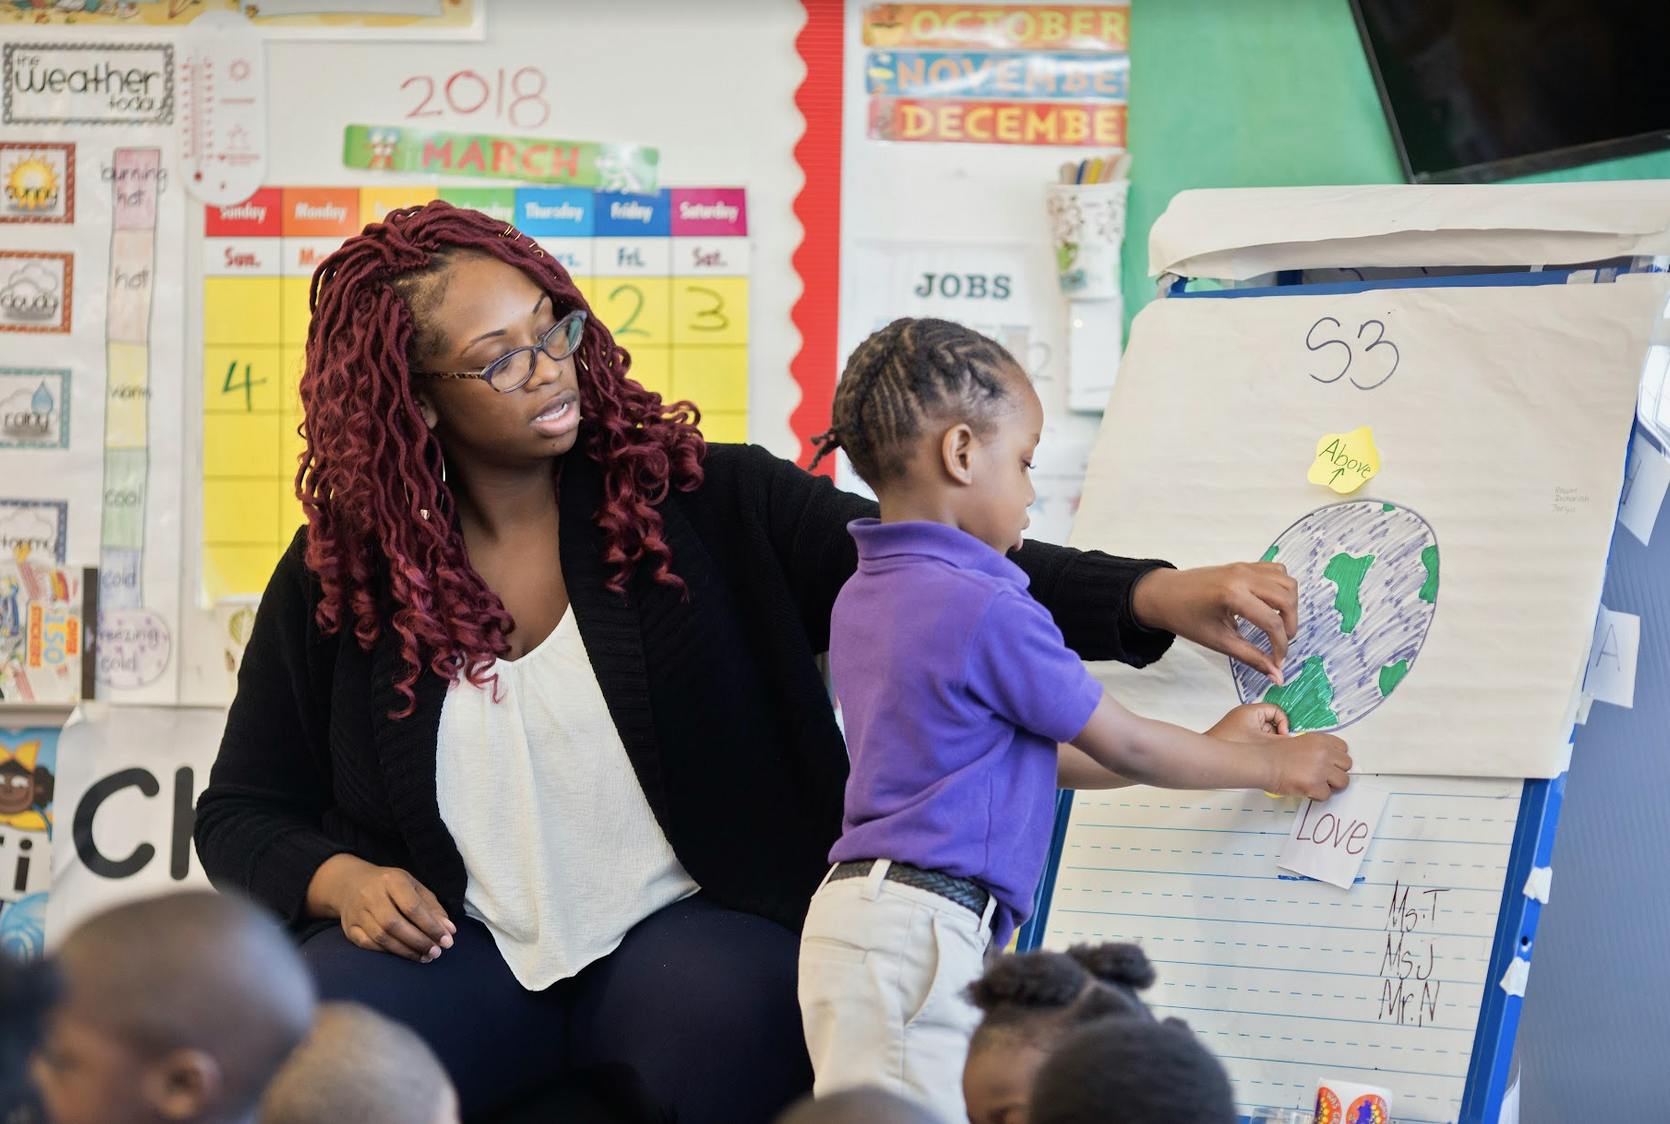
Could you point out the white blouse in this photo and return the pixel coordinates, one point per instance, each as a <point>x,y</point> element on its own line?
<point>562,852</point>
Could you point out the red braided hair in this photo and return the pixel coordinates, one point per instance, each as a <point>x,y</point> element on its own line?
<point>372,466</point>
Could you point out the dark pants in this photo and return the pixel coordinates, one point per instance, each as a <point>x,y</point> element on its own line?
<point>696,1009</point>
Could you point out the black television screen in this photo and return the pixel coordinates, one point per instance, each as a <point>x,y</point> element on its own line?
<point>1480,90</point>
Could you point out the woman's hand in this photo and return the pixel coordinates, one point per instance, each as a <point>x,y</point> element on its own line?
<point>1202,605</point>
<point>382,908</point>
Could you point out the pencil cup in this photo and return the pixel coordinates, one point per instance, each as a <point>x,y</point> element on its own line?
<point>1346,1102</point>
<point>1087,223</point>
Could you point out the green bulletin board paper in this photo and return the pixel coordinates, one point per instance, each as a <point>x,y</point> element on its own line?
<point>1263,93</point>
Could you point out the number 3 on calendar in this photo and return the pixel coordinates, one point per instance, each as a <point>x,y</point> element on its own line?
<point>713,310</point>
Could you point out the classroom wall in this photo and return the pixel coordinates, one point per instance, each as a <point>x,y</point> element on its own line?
<point>1262,93</point>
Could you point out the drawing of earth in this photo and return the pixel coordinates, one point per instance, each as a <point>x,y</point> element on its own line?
<point>1368,587</point>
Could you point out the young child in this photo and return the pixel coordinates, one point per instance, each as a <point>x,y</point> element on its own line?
<point>27,993</point>
<point>178,1008</point>
<point>956,688</point>
<point>1029,1003</point>
<point>858,1106</point>
<point>356,1065</point>
<point>1121,1070</point>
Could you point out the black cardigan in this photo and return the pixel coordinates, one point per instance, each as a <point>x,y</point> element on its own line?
<point>717,697</point>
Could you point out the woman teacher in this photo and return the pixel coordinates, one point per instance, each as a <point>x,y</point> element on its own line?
<point>530,744</point>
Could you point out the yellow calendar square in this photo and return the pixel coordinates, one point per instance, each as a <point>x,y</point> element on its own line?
<point>238,571</point>
<point>710,310</point>
<point>377,202</point>
<point>242,380</point>
<point>291,446</point>
<point>289,515</point>
<point>293,316</point>
<point>290,364</point>
<point>725,428</point>
<point>714,378</point>
<point>638,310</point>
<point>241,310</point>
<point>652,367</point>
<point>239,511</point>
<point>240,445</point>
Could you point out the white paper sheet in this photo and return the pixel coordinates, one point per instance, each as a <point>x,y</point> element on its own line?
<point>1330,838</point>
<point>1501,417</point>
<point>1645,482</point>
<point>1612,657</point>
<point>128,780</point>
<point>1285,978</point>
<point>1244,232</point>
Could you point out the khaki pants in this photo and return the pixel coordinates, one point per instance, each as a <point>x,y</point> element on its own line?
<point>882,972</point>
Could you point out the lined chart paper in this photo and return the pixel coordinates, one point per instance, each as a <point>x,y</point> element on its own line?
<point>1287,978</point>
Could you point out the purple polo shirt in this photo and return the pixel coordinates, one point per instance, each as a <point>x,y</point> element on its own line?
<point>955,688</point>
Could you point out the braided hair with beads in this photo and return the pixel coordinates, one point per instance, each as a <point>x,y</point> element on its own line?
<point>909,373</point>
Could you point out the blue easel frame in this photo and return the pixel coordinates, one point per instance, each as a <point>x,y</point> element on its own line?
<point>1540,801</point>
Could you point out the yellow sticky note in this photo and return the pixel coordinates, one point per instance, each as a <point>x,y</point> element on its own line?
<point>1345,461</point>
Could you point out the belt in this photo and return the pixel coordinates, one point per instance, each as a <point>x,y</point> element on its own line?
<point>963,891</point>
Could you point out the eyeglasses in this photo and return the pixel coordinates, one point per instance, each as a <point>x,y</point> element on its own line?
<point>510,371</point>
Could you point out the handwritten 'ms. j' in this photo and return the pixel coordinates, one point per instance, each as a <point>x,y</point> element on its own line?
<point>1409,991</point>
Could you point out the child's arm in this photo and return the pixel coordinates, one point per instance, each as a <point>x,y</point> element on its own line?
<point>1074,768</point>
<point>1158,753</point>
<point>1248,723</point>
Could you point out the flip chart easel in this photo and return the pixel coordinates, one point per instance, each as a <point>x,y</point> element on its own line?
<point>1163,868</point>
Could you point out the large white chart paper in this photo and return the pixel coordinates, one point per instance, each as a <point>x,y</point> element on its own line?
<point>1447,605</point>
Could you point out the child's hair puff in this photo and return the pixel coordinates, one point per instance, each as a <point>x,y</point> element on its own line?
<point>1040,994</point>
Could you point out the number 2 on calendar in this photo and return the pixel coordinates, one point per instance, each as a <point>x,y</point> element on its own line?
<point>637,295</point>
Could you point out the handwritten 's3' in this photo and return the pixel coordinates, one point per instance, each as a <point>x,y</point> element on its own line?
<point>1321,341</point>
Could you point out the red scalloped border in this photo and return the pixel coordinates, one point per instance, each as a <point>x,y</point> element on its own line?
<point>821,45</point>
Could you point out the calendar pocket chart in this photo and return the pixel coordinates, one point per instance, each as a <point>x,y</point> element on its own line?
<point>666,273</point>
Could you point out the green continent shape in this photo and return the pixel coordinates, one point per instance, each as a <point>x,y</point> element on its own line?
<point>1308,699</point>
<point>1391,675</point>
<point>1347,573</point>
<point>1270,555</point>
<point>1388,507</point>
<point>1429,589</point>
